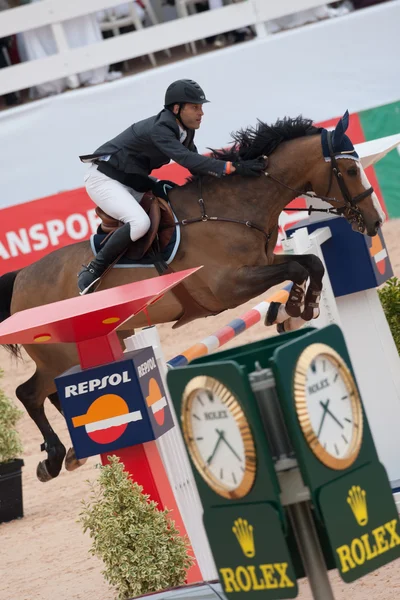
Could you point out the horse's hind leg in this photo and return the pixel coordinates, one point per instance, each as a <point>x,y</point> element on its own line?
<point>310,309</point>
<point>71,461</point>
<point>32,395</point>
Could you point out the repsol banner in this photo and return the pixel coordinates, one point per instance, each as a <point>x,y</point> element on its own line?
<point>116,405</point>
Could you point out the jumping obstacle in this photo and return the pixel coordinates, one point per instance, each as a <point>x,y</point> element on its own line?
<point>231,330</point>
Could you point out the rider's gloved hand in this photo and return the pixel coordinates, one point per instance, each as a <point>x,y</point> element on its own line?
<point>249,168</point>
<point>162,187</point>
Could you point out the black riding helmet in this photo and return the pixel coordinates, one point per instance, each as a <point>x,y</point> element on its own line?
<point>184,91</point>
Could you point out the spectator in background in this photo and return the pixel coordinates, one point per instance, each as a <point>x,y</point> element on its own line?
<point>236,36</point>
<point>40,42</point>
<point>120,12</point>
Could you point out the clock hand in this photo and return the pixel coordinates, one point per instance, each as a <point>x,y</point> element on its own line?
<point>323,416</point>
<point>229,446</point>
<point>220,434</point>
<point>334,418</point>
<point>331,414</point>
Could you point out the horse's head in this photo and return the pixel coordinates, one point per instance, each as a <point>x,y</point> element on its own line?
<point>348,190</point>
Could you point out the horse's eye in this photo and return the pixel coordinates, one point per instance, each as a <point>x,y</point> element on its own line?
<point>352,172</point>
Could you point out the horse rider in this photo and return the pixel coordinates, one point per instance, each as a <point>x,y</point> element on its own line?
<point>119,173</point>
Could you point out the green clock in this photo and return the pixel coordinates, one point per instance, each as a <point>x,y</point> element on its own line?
<point>328,406</point>
<point>218,437</point>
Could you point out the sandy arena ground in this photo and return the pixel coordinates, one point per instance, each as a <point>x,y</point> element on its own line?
<point>45,555</point>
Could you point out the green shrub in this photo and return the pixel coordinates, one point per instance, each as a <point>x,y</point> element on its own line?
<point>140,546</point>
<point>10,443</point>
<point>389,296</point>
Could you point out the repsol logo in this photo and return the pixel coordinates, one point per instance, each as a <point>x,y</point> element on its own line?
<point>264,577</point>
<point>96,384</point>
<point>318,386</point>
<point>368,546</point>
<point>218,414</point>
<point>146,367</point>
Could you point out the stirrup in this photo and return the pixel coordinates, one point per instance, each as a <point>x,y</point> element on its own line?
<point>89,288</point>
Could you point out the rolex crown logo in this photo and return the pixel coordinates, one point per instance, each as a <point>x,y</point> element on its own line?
<point>358,503</point>
<point>244,534</point>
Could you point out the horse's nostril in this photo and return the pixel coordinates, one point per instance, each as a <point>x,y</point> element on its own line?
<point>377,225</point>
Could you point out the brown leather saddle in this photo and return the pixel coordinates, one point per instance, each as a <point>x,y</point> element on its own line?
<point>161,229</point>
<point>156,240</point>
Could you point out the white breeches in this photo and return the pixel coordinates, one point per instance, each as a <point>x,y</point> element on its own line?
<point>118,201</point>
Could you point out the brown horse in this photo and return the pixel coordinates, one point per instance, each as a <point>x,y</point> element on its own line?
<point>236,250</point>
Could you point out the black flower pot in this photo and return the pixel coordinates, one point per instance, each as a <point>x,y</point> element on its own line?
<point>11,490</point>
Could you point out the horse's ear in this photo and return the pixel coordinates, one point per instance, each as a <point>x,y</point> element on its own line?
<point>340,130</point>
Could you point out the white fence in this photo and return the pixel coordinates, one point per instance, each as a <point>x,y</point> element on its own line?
<point>68,62</point>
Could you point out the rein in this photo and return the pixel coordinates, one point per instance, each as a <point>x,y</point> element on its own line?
<point>350,202</point>
<point>205,217</point>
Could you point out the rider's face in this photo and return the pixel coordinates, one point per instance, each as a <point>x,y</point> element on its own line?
<point>191,115</point>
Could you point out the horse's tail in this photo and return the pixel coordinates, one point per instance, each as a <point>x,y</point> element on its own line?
<point>6,292</point>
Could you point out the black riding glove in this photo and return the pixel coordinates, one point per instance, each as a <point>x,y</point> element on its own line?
<point>162,187</point>
<point>249,168</point>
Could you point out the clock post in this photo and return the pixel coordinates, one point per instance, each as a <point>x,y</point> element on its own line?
<point>285,465</point>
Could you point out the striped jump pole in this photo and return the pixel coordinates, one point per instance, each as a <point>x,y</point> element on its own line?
<point>230,331</point>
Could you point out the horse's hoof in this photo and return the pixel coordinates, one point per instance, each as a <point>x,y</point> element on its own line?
<point>310,313</point>
<point>42,473</point>
<point>71,462</point>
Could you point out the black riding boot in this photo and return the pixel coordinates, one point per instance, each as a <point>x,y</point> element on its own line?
<point>90,275</point>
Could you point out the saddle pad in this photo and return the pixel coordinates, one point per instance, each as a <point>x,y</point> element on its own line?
<point>168,253</point>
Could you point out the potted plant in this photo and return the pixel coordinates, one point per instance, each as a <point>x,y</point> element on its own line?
<point>11,506</point>
<point>140,546</point>
<point>389,295</point>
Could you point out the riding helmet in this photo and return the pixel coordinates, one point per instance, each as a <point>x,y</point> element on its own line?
<point>184,90</point>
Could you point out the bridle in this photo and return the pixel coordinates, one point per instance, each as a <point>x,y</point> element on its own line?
<point>350,202</point>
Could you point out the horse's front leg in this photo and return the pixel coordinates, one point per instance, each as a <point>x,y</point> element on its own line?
<point>310,299</point>
<point>251,281</point>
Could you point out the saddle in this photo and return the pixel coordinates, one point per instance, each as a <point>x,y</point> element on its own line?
<point>161,230</point>
<point>157,238</point>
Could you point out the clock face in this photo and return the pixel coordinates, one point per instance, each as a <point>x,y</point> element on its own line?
<point>218,437</point>
<point>328,406</point>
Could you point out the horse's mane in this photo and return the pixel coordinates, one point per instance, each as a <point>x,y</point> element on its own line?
<point>263,139</point>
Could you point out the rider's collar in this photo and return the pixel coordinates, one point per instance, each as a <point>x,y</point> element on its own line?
<point>182,133</point>
<point>346,149</point>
